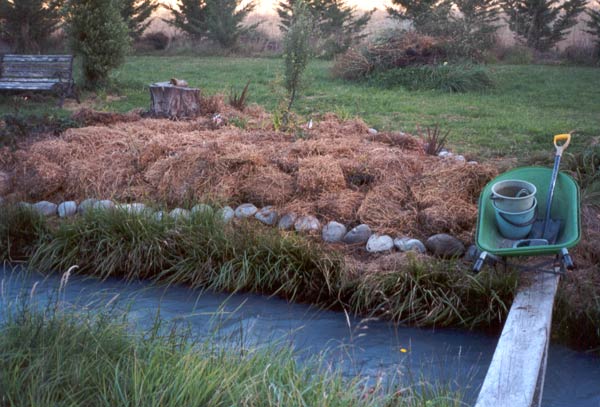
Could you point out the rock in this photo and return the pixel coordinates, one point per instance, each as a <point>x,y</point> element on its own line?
<point>132,207</point>
<point>67,209</point>
<point>443,153</point>
<point>460,158</point>
<point>444,245</point>
<point>158,216</point>
<point>104,204</point>
<point>333,232</point>
<point>45,208</point>
<point>245,211</point>
<point>202,208</point>
<point>227,213</point>
<point>359,234</point>
<point>373,131</point>
<point>267,215</point>
<point>179,213</point>
<point>287,221</point>
<point>472,162</point>
<point>472,253</point>
<point>25,205</point>
<point>406,244</point>
<point>379,243</point>
<point>86,205</point>
<point>5,183</point>
<point>307,224</point>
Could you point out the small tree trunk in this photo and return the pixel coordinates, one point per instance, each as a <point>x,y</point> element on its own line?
<point>174,102</point>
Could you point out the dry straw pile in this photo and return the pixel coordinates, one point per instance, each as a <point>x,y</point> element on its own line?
<point>339,172</point>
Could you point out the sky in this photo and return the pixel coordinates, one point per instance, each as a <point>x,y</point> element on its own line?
<point>268,6</point>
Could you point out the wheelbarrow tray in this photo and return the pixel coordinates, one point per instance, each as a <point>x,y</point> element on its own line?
<point>565,207</point>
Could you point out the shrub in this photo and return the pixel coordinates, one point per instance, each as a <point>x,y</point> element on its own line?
<point>136,13</point>
<point>99,35</point>
<point>447,78</point>
<point>21,230</point>
<point>29,24</point>
<point>430,17</point>
<point>515,55</point>
<point>157,40</point>
<point>239,101</point>
<point>434,140</point>
<point>541,24</point>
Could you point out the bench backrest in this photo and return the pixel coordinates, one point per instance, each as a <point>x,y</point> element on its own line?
<point>38,68</point>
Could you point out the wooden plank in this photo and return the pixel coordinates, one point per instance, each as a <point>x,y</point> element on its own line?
<point>43,58</point>
<point>515,377</point>
<point>52,80</point>
<point>26,85</point>
<point>36,74</point>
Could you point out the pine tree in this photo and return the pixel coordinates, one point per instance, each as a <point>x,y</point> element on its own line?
<point>475,25</point>
<point>225,18</point>
<point>190,16</point>
<point>27,24</point>
<point>431,17</point>
<point>136,14</point>
<point>297,50</point>
<point>541,24</point>
<point>337,25</point>
<point>99,35</point>
<point>593,25</point>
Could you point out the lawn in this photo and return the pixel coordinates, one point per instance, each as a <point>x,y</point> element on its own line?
<point>529,104</point>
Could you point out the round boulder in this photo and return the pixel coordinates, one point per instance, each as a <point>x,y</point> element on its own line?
<point>406,244</point>
<point>203,209</point>
<point>287,221</point>
<point>379,243</point>
<point>444,245</point>
<point>179,213</point>
<point>245,211</point>
<point>86,205</point>
<point>307,224</point>
<point>104,204</point>
<point>45,208</point>
<point>267,215</point>
<point>358,235</point>
<point>67,209</point>
<point>5,183</point>
<point>227,214</point>
<point>333,232</point>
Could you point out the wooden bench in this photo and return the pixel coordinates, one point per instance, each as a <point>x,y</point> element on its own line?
<point>50,73</point>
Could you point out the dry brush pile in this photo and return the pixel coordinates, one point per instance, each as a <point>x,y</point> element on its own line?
<point>338,172</point>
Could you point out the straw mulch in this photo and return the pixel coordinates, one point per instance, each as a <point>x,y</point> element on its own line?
<point>338,172</point>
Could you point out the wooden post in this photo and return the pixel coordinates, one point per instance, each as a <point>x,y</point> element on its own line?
<point>515,377</point>
<point>174,102</point>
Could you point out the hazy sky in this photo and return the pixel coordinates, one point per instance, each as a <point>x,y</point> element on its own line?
<point>267,6</point>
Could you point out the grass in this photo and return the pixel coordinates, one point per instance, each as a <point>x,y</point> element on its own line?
<point>517,118</point>
<point>54,357</point>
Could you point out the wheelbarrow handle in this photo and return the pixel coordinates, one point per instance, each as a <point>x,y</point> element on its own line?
<point>562,137</point>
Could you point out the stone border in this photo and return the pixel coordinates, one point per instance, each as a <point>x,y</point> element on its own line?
<point>440,245</point>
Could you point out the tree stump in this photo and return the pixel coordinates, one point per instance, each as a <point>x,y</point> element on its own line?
<point>174,102</point>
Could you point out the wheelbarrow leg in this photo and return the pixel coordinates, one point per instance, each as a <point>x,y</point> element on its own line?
<point>479,262</point>
<point>567,260</point>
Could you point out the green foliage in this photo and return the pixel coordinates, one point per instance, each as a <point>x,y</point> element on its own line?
<point>297,50</point>
<point>99,36</point>
<point>21,230</point>
<point>593,25</point>
<point>50,357</point>
<point>19,127</point>
<point>431,17</point>
<point>239,101</point>
<point>541,24</point>
<point>447,78</point>
<point>136,13</point>
<point>337,27</point>
<point>28,24</point>
<point>225,21</point>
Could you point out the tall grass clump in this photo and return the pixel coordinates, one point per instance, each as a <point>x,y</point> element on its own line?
<point>446,78</point>
<point>51,357</point>
<point>20,232</point>
<point>435,293</point>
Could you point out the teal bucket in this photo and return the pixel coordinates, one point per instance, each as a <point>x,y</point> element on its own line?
<point>515,225</point>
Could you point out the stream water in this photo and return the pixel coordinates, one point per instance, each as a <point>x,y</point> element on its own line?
<point>371,348</point>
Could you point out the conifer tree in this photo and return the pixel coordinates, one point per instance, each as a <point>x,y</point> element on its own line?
<point>136,14</point>
<point>190,16</point>
<point>541,24</point>
<point>27,24</point>
<point>431,17</point>
<point>593,26</point>
<point>337,25</point>
<point>475,25</point>
<point>225,19</point>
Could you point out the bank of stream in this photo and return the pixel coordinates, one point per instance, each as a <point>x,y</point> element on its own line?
<point>366,347</point>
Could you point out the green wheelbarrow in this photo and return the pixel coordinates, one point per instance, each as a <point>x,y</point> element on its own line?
<point>564,215</point>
